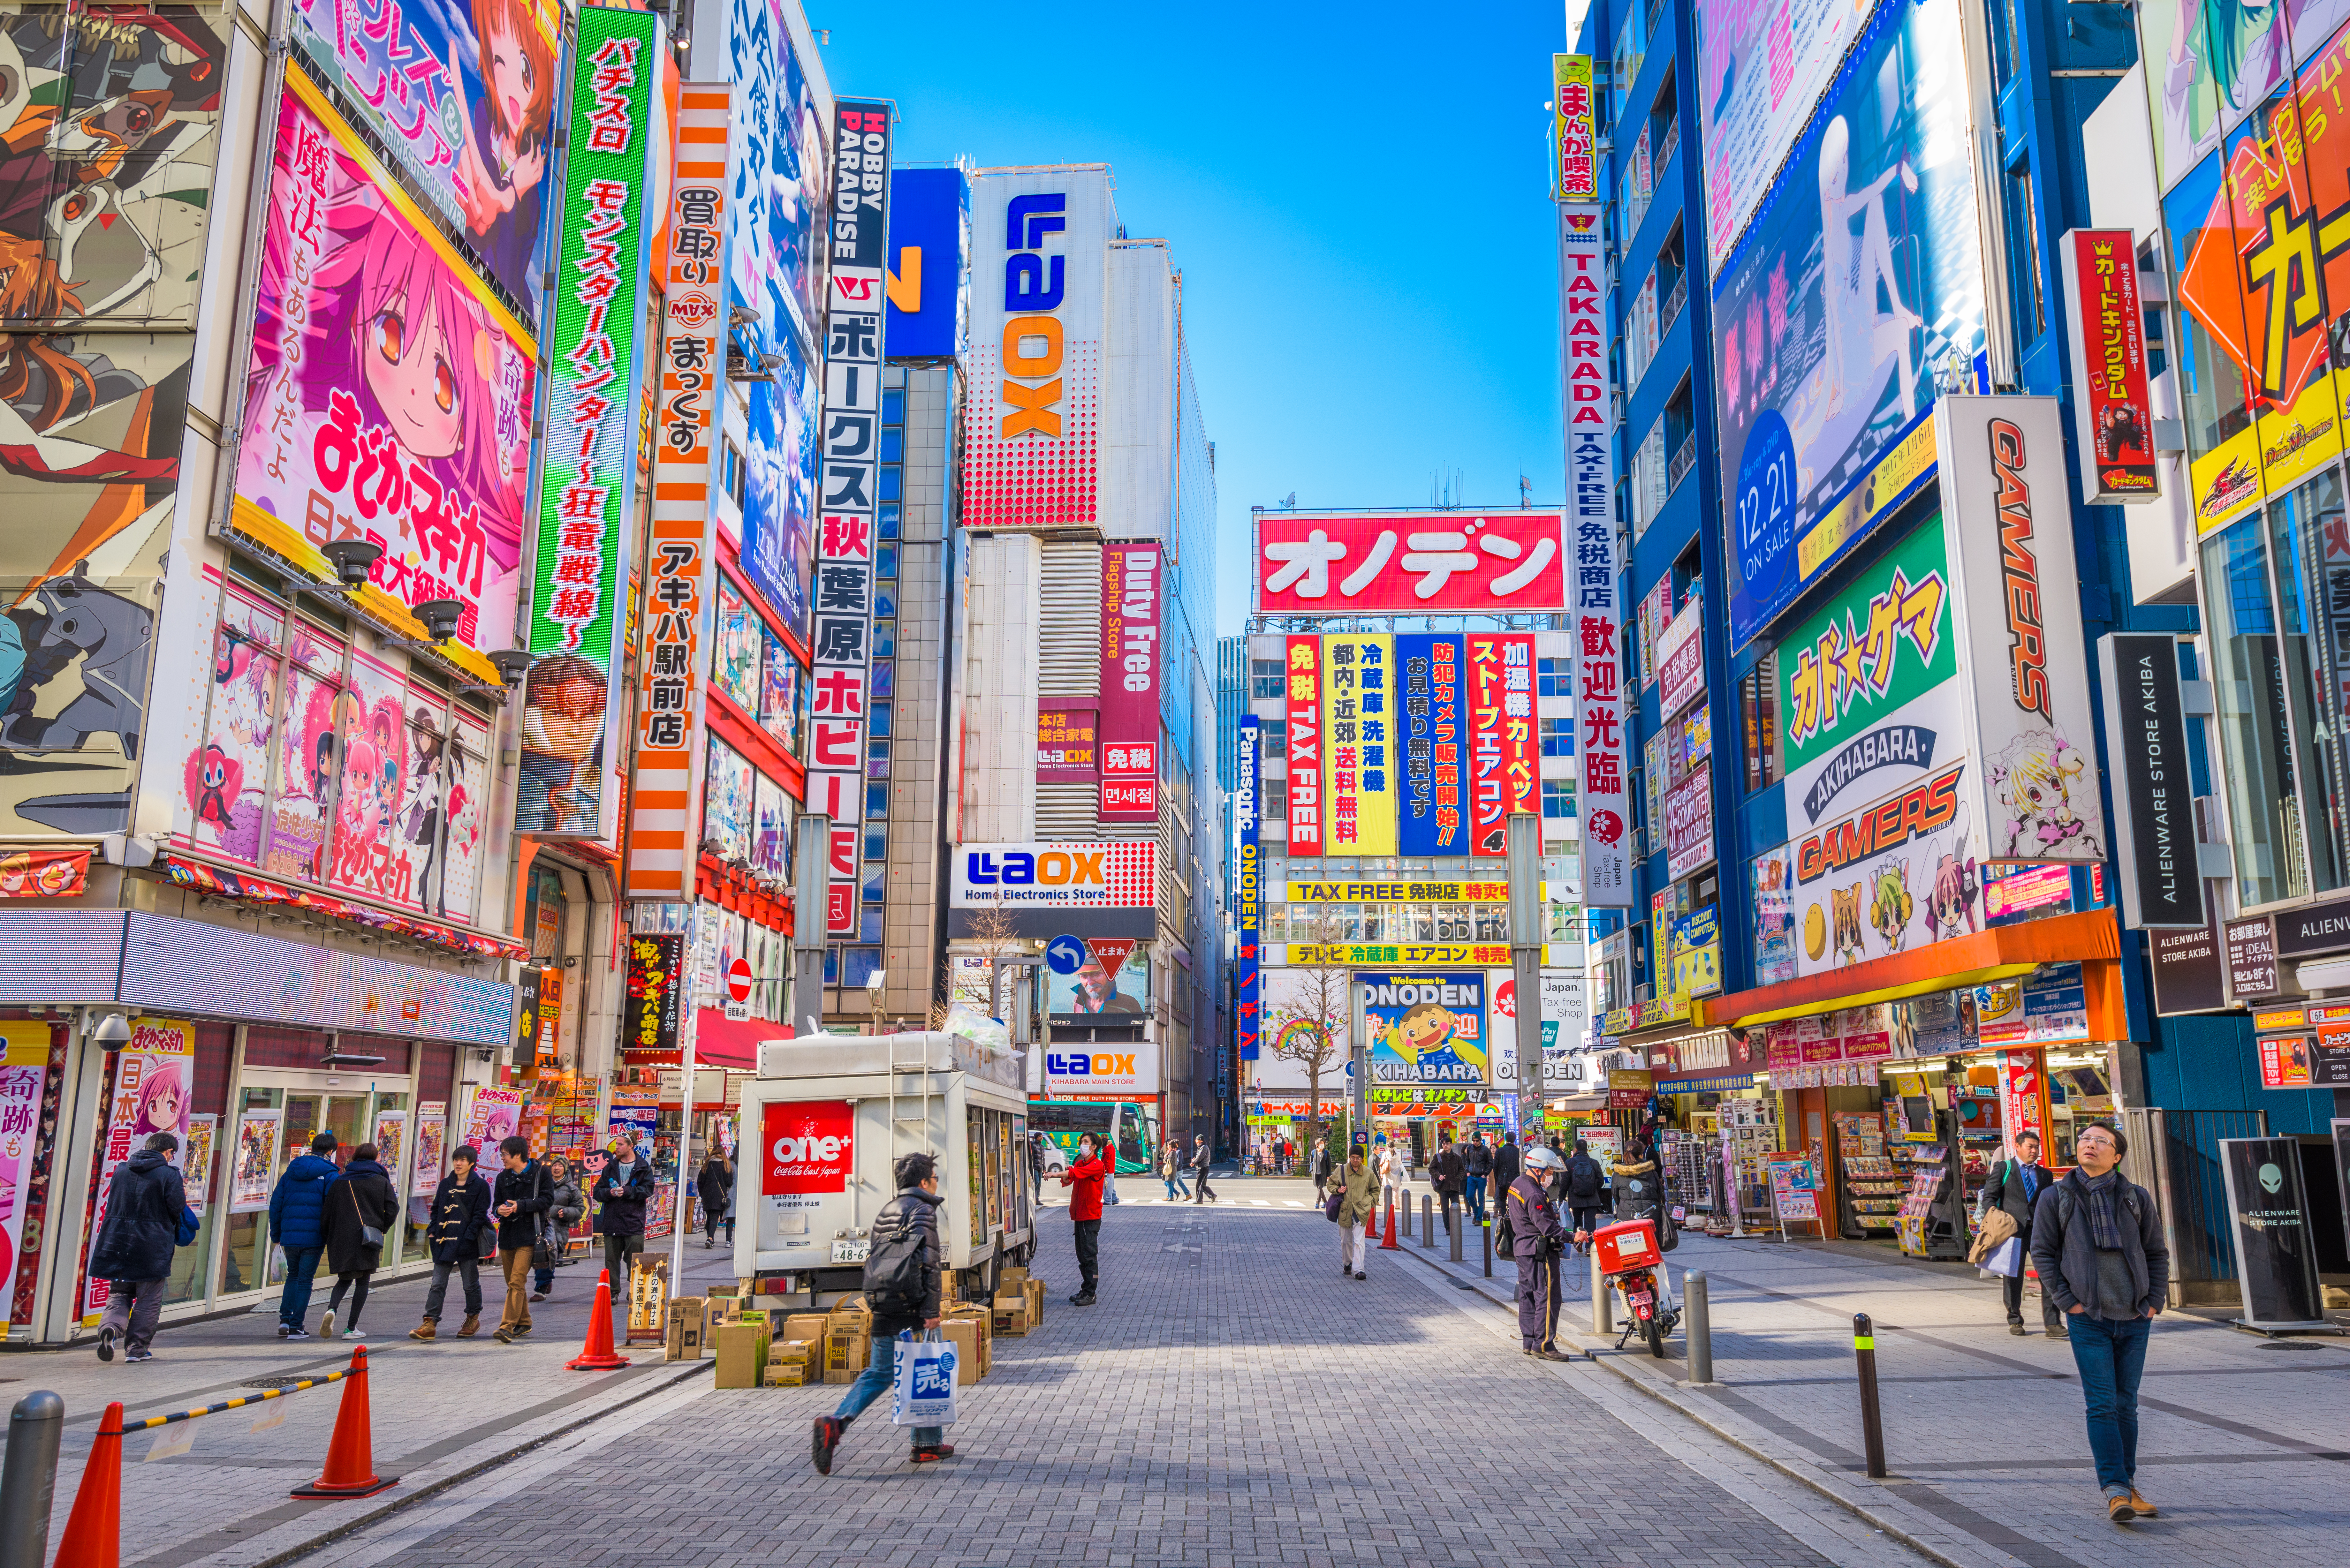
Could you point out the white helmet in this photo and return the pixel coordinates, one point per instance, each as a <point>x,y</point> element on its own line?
<point>1541,1158</point>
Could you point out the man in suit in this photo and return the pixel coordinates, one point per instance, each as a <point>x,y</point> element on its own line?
<point>2015,1186</point>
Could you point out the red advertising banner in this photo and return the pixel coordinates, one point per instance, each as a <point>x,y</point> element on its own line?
<point>1133,594</point>
<point>1304,730</point>
<point>2112,405</point>
<point>1068,744</point>
<point>44,873</point>
<point>1412,563</point>
<point>1501,769</point>
<point>2023,1095</point>
<point>806,1146</point>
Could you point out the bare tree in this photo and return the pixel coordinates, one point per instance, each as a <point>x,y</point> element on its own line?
<point>1308,1027</point>
<point>994,937</point>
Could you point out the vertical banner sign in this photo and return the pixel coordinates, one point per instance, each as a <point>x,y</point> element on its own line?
<point>1133,593</point>
<point>2145,741</point>
<point>1574,173</point>
<point>1305,732</point>
<point>664,806</point>
<point>1435,745</point>
<point>1358,772</point>
<point>1594,606</point>
<point>1248,976</point>
<point>587,497</point>
<point>2113,410</point>
<point>656,989</point>
<point>851,437</point>
<point>1501,751</point>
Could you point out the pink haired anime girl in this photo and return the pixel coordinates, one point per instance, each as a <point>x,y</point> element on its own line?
<point>163,1100</point>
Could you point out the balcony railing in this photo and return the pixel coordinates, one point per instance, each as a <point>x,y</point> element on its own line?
<point>1682,462</point>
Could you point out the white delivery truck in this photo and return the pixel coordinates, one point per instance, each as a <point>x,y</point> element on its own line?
<point>822,1126</point>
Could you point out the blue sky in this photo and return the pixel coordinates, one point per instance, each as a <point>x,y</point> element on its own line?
<point>1355,194</point>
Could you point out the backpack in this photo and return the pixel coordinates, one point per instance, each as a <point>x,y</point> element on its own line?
<point>897,1270</point>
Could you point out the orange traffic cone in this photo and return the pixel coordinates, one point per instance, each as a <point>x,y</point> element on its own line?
<point>93,1536</point>
<point>350,1452</point>
<point>1389,1244</point>
<point>1371,1221</point>
<point>596,1354</point>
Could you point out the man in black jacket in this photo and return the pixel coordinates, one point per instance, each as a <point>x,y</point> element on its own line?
<point>1508,1160</point>
<point>1587,1194</point>
<point>1321,1166</point>
<point>1477,1158</point>
<point>521,1195</point>
<point>621,1193</point>
<point>460,1210</point>
<point>916,1208</point>
<point>144,1204</point>
<point>2015,1188</point>
<point>1449,1176</point>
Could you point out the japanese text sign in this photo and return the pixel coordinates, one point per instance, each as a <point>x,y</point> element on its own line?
<point>1595,608</point>
<point>1068,744</point>
<point>1133,597</point>
<point>1421,564</point>
<point>1303,675</point>
<point>1502,736</point>
<point>656,984</point>
<point>1574,174</point>
<point>1431,674</point>
<point>2112,409</point>
<point>1358,752</point>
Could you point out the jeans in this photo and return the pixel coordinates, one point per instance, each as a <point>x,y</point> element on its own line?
<point>1175,1187</point>
<point>469,1272</point>
<point>1088,1255</point>
<point>2110,1355</point>
<point>880,1371</point>
<point>1477,1198</point>
<point>301,1268</point>
<point>132,1308</point>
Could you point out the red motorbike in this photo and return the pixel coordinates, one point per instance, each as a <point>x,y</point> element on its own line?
<point>1629,1259</point>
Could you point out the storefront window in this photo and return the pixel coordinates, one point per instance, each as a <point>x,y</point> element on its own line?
<point>2212,386</point>
<point>2313,574</point>
<point>256,1153</point>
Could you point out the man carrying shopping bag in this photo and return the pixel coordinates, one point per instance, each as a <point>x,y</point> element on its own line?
<point>2013,1187</point>
<point>901,1287</point>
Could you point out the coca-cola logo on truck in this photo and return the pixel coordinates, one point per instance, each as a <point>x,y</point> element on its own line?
<point>808,1147</point>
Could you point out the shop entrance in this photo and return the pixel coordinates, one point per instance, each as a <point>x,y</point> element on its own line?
<point>302,1105</point>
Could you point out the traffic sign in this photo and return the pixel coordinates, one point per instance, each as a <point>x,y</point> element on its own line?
<point>1065,955</point>
<point>738,980</point>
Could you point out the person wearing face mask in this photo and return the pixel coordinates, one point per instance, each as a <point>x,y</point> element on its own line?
<point>1084,1178</point>
<point>2096,1241</point>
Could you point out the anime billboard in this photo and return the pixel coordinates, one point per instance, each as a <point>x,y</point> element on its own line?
<point>1424,1027</point>
<point>106,145</point>
<point>463,93</point>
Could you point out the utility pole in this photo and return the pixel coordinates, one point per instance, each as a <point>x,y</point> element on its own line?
<point>811,866</point>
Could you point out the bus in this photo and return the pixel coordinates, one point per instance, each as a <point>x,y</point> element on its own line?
<point>1134,1128</point>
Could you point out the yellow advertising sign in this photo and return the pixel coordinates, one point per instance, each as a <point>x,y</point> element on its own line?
<point>1398,892</point>
<point>1368,955</point>
<point>1865,506</point>
<point>1361,757</point>
<point>1574,168</point>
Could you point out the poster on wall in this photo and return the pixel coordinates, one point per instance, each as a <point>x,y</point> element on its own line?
<point>196,1161</point>
<point>390,1142</point>
<point>21,1081</point>
<point>1359,745</point>
<point>1854,301</point>
<point>2217,63</point>
<point>2113,408</point>
<point>1302,659</point>
<point>154,1080</point>
<point>1501,761</point>
<point>1134,585</point>
<point>1423,1027</point>
<point>1430,810</point>
<point>492,1115</point>
<point>1891,878</point>
<point>389,396</point>
<point>2275,1240</point>
<point>432,1154</point>
<point>253,1169</point>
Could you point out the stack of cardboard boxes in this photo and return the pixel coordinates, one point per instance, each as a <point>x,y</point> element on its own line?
<point>769,1347</point>
<point>1019,1303</point>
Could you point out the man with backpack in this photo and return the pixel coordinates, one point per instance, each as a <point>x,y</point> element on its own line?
<point>1587,1194</point>
<point>901,1288</point>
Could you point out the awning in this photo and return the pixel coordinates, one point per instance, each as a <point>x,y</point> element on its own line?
<point>1714,1085</point>
<point>720,1041</point>
<point>1983,959</point>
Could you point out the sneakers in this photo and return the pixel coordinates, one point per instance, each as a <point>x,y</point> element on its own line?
<point>933,1456</point>
<point>355,1337</point>
<point>284,1329</point>
<point>473,1325</point>
<point>106,1344</point>
<point>2140,1506</point>
<point>1083,1298</point>
<point>426,1330</point>
<point>2120,1509</point>
<point>1360,1275</point>
<point>538,1295</point>
<point>139,1356</point>
<point>298,1332</point>
<point>2015,1327</point>
<point>504,1335</point>
<point>825,1438</point>
<point>326,1326</point>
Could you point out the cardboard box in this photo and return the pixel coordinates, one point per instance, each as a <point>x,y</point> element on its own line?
<point>1010,1315</point>
<point>808,1353</point>
<point>845,1355</point>
<point>1035,1302</point>
<point>965,1334</point>
<point>785,1375</point>
<point>687,1317</point>
<point>1014,1273</point>
<point>811,1325</point>
<point>725,1291</point>
<point>742,1355</point>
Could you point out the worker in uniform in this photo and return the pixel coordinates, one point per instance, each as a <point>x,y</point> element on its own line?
<point>1537,1239</point>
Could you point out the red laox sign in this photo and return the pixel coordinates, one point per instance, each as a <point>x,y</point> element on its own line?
<point>1409,564</point>
<point>1133,589</point>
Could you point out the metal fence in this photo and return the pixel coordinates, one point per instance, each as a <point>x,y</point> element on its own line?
<point>2175,1155</point>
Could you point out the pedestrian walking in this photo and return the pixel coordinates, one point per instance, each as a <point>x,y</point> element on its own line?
<point>1036,1167</point>
<point>361,1208</point>
<point>901,1289</point>
<point>1508,1160</point>
<point>460,1213</point>
<point>147,1220</point>
<point>1202,1155</point>
<point>2096,1241</point>
<point>2014,1186</point>
<point>1171,1168</point>
<point>519,1196</point>
<point>565,1206</point>
<point>1358,1201</point>
<point>297,1208</point>
<point>621,1193</point>
<point>1394,1174</point>
<point>1587,1194</point>
<point>1085,1179</point>
<point>714,1185</point>
<point>1321,1166</point>
<point>1477,1158</point>
<point>1449,1174</point>
<point>1537,1241</point>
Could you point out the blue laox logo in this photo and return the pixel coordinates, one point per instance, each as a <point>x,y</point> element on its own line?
<point>1764,526</point>
<point>935,1379</point>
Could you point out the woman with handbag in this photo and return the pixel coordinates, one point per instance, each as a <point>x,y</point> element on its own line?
<point>1171,1170</point>
<point>360,1206</point>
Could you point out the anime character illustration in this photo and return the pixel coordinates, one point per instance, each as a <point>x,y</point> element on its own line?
<point>2243,49</point>
<point>424,819</point>
<point>1850,946</point>
<point>1951,902</point>
<point>502,162</point>
<point>308,772</point>
<point>1429,1038</point>
<point>228,766</point>
<point>562,779</point>
<point>163,1100</point>
<point>2044,796</point>
<point>1890,904</point>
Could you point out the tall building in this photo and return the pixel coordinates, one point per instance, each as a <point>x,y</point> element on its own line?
<point>1084,797</point>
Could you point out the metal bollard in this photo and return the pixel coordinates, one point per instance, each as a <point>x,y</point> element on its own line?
<point>28,1480</point>
<point>1486,1230</point>
<point>1700,1327</point>
<point>1872,1424</point>
<point>1427,1222</point>
<point>1603,1315</point>
<point>1458,1219</point>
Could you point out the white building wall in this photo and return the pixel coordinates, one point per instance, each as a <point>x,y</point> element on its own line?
<point>1138,446</point>
<point>1000,675</point>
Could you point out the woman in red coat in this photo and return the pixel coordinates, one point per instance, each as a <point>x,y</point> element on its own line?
<point>1085,1209</point>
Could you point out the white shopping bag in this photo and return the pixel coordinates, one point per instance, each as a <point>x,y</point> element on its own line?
<point>2006,1260</point>
<point>924,1389</point>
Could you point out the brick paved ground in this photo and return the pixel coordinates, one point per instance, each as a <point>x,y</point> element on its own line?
<point>2243,1442</point>
<point>1231,1401</point>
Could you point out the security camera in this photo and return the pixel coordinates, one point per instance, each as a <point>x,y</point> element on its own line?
<point>352,558</point>
<point>113,1032</point>
<point>512,664</point>
<point>440,617</point>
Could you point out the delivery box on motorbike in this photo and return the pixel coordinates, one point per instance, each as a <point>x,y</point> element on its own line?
<point>1630,1245</point>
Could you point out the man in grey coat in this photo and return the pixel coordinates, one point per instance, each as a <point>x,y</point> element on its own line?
<point>2097,1239</point>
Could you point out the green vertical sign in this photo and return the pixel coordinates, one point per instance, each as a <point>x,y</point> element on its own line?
<point>594,376</point>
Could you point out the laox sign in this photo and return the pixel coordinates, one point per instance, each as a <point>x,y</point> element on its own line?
<point>1080,1065</point>
<point>1053,869</point>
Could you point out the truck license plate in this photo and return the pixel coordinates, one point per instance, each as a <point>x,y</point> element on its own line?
<point>851,1250</point>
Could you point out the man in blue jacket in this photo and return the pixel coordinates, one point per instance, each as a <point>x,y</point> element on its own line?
<point>298,1224</point>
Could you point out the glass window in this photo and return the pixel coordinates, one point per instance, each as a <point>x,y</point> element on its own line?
<point>885,563</point>
<point>885,636</point>
<point>1558,798</point>
<point>1555,677</point>
<point>2313,572</point>
<point>876,842</point>
<point>891,482</point>
<point>884,678</point>
<point>887,528</point>
<point>876,721</point>
<point>2211,385</point>
<point>877,800</point>
<point>893,444</point>
<point>1558,737</point>
<point>893,411</point>
<point>2256,734</point>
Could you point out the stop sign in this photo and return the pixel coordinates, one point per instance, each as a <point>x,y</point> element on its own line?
<point>738,980</point>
